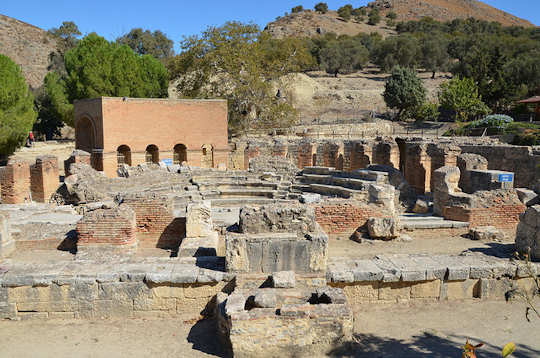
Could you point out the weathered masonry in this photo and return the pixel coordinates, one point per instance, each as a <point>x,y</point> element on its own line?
<point>132,131</point>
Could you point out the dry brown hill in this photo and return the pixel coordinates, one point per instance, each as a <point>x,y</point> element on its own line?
<point>446,10</point>
<point>310,23</point>
<point>28,46</point>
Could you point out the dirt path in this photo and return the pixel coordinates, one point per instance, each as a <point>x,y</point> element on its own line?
<point>62,150</point>
<point>432,330</point>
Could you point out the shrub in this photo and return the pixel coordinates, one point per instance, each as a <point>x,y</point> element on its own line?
<point>374,17</point>
<point>297,9</point>
<point>345,12</point>
<point>321,7</point>
<point>427,112</point>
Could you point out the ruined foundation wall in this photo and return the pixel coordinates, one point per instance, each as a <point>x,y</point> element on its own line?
<point>15,183</point>
<point>343,216</point>
<point>44,178</point>
<point>519,160</point>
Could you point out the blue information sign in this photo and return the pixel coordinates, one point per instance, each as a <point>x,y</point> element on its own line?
<point>167,162</point>
<point>506,178</point>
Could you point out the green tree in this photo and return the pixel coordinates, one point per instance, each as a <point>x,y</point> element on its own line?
<point>17,114</point>
<point>404,91</point>
<point>434,54</point>
<point>145,42</point>
<point>402,50</point>
<point>297,9</point>
<point>374,17</point>
<point>461,99</point>
<point>344,55</point>
<point>242,64</point>
<point>97,68</point>
<point>67,36</point>
<point>321,7</point>
<point>345,12</point>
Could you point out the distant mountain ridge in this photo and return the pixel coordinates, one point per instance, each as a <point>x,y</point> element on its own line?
<point>27,45</point>
<point>310,23</point>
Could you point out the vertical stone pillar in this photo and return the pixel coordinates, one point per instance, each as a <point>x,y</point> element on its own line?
<point>7,244</point>
<point>221,158</point>
<point>386,153</point>
<point>44,178</point>
<point>361,156</point>
<point>78,156</point>
<point>199,219</point>
<point>445,183</point>
<point>418,167</point>
<point>15,179</point>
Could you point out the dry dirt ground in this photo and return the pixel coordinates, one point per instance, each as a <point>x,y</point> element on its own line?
<point>62,150</point>
<point>406,331</point>
<point>322,96</point>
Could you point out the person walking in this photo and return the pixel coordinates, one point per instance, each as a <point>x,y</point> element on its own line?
<point>31,138</point>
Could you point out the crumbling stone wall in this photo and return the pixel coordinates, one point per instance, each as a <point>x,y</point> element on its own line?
<point>498,208</point>
<point>467,162</point>
<point>156,224</point>
<point>520,160</point>
<point>78,156</point>
<point>106,228</point>
<point>277,218</point>
<point>527,237</point>
<point>337,216</point>
<point>44,178</point>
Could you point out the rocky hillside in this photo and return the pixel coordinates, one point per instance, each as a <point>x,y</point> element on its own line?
<point>446,10</point>
<point>310,23</point>
<point>28,46</point>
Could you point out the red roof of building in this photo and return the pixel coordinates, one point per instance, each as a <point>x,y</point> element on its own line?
<point>535,99</point>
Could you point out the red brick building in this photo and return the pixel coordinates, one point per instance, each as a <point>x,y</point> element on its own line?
<point>138,130</point>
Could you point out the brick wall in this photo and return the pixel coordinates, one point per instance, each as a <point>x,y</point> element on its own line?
<point>156,226</point>
<point>108,227</point>
<point>15,182</point>
<point>44,178</point>
<point>341,216</point>
<point>505,217</point>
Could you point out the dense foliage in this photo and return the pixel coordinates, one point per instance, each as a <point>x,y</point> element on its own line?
<point>460,99</point>
<point>156,43</point>
<point>244,65</point>
<point>321,7</point>
<point>404,91</point>
<point>17,114</point>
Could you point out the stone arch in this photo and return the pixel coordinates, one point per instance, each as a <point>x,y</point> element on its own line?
<point>85,135</point>
<point>207,158</point>
<point>152,154</point>
<point>179,154</point>
<point>123,155</point>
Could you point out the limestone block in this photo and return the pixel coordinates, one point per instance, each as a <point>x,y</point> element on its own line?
<point>394,291</point>
<point>490,180</point>
<point>298,219</point>
<point>486,233</point>
<point>265,299</point>
<point>528,233</point>
<point>274,252</point>
<point>199,219</point>
<point>445,183</point>
<point>7,244</point>
<point>284,279</point>
<point>383,228</point>
<point>310,198</point>
<point>426,289</point>
<point>421,207</point>
<point>362,292</point>
<point>199,246</point>
<point>527,196</point>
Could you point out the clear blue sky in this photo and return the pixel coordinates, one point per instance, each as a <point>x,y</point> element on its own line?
<point>176,18</point>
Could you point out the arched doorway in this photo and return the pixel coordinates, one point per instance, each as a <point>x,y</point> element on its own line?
<point>180,154</point>
<point>123,155</point>
<point>152,154</point>
<point>85,135</point>
<point>207,159</point>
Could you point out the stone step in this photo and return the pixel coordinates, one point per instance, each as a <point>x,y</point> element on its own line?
<point>232,184</point>
<point>233,193</point>
<point>369,175</point>
<point>333,190</point>
<point>430,222</point>
<point>199,246</point>
<point>240,202</point>
<point>318,170</point>
<point>357,184</point>
<point>316,179</point>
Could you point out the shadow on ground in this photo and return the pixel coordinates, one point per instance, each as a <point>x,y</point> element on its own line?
<point>425,345</point>
<point>204,338</point>
<point>499,250</point>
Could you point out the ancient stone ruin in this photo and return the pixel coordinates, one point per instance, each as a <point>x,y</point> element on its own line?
<point>279,245</point>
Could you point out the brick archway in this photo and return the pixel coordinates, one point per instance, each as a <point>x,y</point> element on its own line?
<point>123,155</point>
<point>152,154</point>
<point>180,154</point>
<point>85,135</point>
